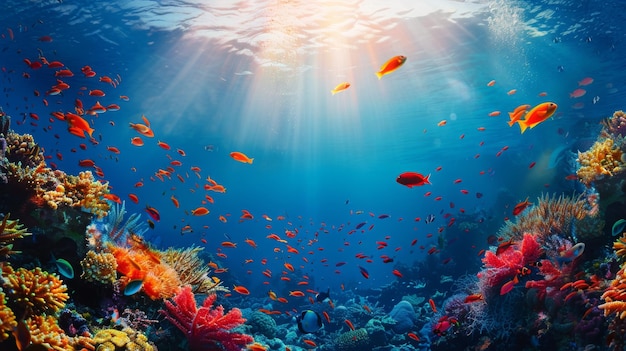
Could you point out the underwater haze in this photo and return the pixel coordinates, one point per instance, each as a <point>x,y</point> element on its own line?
<point>218,127</point>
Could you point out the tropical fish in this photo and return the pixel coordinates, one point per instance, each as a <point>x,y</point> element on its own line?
<point>309,322</point>
<point>341,87</point>
<point>520,207</point>
<point>411,179</point>
<point>65,268</point>
<point>241,157</point>
<point>322,296</point>
<point>537,115</point>
<point>391,65</point>
<point>133,287</point>
<point>618,227</point>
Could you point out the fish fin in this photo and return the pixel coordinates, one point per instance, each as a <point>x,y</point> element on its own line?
<point>522,126</point>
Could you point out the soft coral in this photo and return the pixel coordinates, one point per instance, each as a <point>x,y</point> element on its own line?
<point>206,328</point>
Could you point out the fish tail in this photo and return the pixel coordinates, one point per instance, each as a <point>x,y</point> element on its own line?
<point>511,123</point>
<point>522,125</point>
<point>379,75</point>
<point>333,92</point>
<point>251,160</point>
<point>427,180</point>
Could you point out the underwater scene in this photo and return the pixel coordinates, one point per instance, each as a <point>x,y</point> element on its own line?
<point>332,175</point>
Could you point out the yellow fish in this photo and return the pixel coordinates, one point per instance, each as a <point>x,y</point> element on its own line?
<point>341,87</point>
<point>391,65</point>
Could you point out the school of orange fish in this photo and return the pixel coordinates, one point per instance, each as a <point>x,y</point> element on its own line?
<point>97,98</point>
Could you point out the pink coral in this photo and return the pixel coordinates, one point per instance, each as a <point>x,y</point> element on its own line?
<point>505,265</point>
<point>206,328</point>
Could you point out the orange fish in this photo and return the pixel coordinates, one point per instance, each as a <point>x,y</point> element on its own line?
<point>175,201</point>
<point>241,289</point>
<point>391,65</point>
<point>309,342</point>
<point>341,87</point>
<point>432,305</point>
<point>349,324</point>
<point>296,293</point>
<point>241,157</point>
<point>250,242</point>
<point>517,114</point>
<point>163,145</point>
<point>113,149</point>
<point>229,244</point>
<point>537,115</point>
<point>200,211</point>
<point>137,141</point>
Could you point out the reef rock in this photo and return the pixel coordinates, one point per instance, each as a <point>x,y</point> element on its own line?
<point>404,315</point>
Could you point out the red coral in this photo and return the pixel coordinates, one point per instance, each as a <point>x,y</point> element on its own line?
<point>206,328</point>
<point>504,266</point>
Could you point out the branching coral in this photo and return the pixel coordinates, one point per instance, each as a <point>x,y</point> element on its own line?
<point>99,267</point>
<point>118,230</point>
<point>54,188</point>
<point>45,331</point>
<point>505,265</point>
<point>22,150</point>
<point>206,327</point>
<point>192,270</point>
<point>604,158</point>
<point>34,290</point>
<point>615,295</point>
<point>7,318</point>
<point>551,215</point>
<point>616,125</point>
<point>9,231</point>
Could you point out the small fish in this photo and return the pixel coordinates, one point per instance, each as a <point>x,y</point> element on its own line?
<point>537,115</point>
<point>133,287</point>
<point>391,65</point>
<point>411,179</point>
<point>65,268</point>
<point>241,157</point>
<point>341,87</point>
<point>520,207</point>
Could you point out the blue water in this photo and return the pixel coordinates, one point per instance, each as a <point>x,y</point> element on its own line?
<point>213,77</point>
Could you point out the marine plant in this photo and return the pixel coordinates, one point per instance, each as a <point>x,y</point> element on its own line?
<point>9,231</point>
<point>206,327</point>
<point>192,270</point>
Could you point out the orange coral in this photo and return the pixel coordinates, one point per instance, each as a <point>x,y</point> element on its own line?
<point>45,331</point>
<point>160,280</point>
<point>35,290</point>
<point>615,295</point>
<point>7,318</point>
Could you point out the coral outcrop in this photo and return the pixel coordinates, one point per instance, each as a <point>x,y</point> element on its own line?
<point>206,327</point>
<point>36,291</point>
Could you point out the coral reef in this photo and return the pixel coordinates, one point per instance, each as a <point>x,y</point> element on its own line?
<point>206,327</point>
<point>54,188</point>
<point>615,125</point>
<point>505,265</point>
<point>9,231</point>
<point>22,150</point>
<point>551,215</point>
<point>99,267</point>
<point>7,318</point>
<point>192,270</point>
<point>604,158</point>
<point>160,281</point>
<point>262,324</point>
<point>35,290</point>
<point>121,340</point>
<point>45,331</point>
<point>353,340</point>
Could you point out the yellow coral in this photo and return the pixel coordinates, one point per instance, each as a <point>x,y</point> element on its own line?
<point>604,158</point>
<point>55,188</point>
<point>45,331</point>
<point>35,290</point>
<point>9,231</point>
<point>99,267</point>
<point>7,318</point>
<point>118,340</point>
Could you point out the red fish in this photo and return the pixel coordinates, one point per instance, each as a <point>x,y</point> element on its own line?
<point>521,207</point>
<point>411,179</point>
